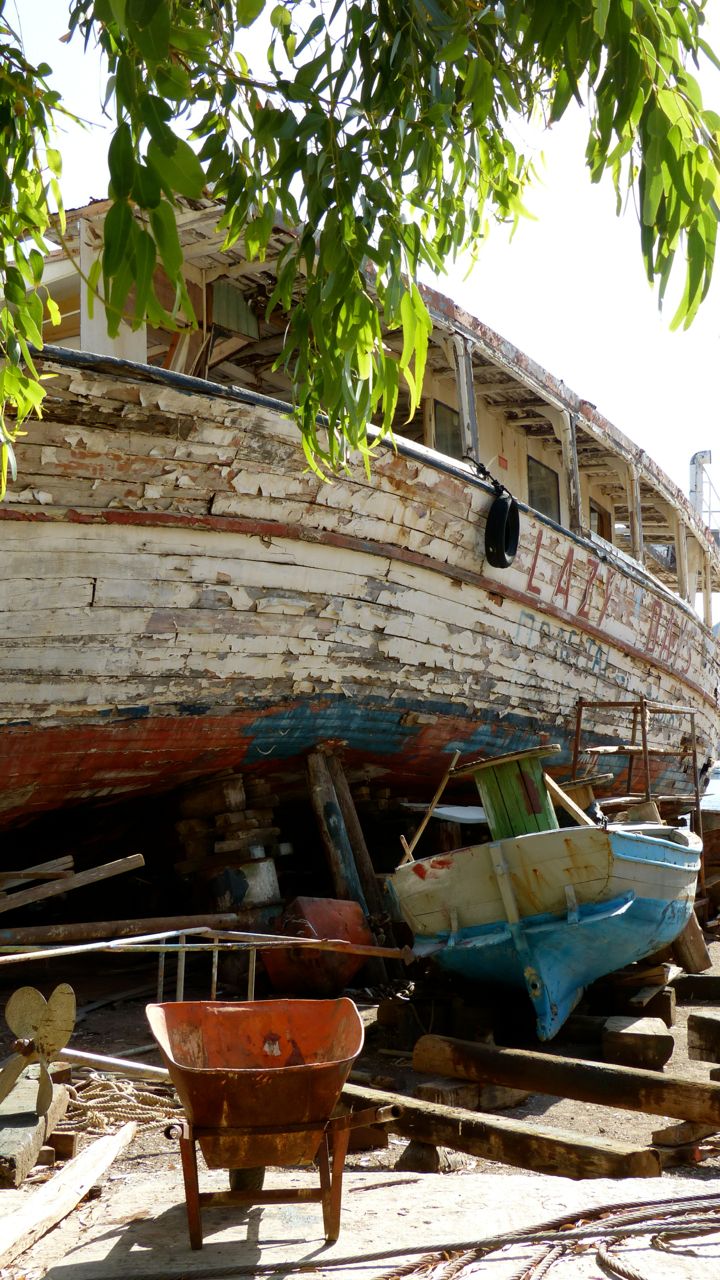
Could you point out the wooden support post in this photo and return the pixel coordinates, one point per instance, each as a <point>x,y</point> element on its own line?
<point>409,846</point>
<point>564,424</point>
<point>681,559</point>
<point>703,1031</point>
<point>363,861</point>
<point>690,950</point>
<point>637,1042</point>
<point>564,801</point>
<point>513,1142</point>
<point>336,842</point>
<point>629,1088</point>
<point>464,379</point>
<point>635,514</point>
<point>707,590</point>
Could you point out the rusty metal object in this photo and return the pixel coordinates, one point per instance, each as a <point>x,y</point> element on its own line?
<point>259,1082</point>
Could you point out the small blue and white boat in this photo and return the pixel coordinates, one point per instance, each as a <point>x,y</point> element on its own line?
<point>551,911</point>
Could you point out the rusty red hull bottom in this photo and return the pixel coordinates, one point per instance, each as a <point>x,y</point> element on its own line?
<point>140,752</point>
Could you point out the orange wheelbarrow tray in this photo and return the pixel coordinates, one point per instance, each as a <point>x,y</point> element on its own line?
<point>259,1082</point>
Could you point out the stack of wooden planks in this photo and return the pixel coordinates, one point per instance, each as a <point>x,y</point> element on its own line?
<point>227,824</point>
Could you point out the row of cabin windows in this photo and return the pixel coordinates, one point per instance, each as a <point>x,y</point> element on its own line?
<point>543,481</point>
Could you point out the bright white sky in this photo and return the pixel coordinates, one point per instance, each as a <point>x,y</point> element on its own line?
<point>569,290</point>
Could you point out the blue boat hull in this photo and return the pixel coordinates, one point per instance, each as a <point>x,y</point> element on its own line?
<point>557,959</point>
<point>625,894</point>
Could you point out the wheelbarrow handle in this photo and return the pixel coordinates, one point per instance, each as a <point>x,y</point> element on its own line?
<point>358,1119</point>
<point>337,1124</point>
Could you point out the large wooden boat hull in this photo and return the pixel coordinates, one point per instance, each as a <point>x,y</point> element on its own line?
<point>180,595</point>
<point>549,913</point>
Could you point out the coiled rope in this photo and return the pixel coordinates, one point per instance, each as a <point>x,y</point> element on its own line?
<point>102,1104</point>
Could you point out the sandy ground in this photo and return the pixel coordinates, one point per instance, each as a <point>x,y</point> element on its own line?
<point>136,1226</point>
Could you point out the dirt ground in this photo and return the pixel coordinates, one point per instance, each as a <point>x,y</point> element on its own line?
<point>121,1029</point>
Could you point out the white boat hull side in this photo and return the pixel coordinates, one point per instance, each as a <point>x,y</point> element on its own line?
<point>459,890</point>
<point>172,575</point>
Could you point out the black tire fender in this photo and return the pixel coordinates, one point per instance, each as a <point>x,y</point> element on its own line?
<point>502,531</point>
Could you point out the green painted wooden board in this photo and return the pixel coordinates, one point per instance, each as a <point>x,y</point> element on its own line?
<point>515,797</point>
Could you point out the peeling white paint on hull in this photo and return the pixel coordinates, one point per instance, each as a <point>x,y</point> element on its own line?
<point>179,595</point>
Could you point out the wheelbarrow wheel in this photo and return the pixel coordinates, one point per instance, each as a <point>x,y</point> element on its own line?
<point>247,1179</point>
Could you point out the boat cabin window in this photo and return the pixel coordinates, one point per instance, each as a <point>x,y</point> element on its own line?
<point>600,521</point>
<point>543,489</point>
<point>448,435</point>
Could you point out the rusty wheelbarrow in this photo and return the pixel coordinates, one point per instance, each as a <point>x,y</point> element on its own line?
<point>259,1082</point>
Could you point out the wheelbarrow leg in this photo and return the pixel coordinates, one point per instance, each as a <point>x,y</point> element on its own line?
<point>188,1155</point>
<point>331,1184</point>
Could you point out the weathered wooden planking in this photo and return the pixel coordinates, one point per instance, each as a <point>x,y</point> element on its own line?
<point>244,581</point>
<point>21,897</point>
<point>629,1088</point>
<point>637,1042</point>
<point>513,1142</point>
<point>697,988</point>
<point>703,1032</point>
<point>58,1197</point>
<point>690,949</point>
<point>22,1131</point>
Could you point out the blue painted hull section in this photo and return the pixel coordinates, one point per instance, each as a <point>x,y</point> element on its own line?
<point>559,959</point>
<point>553,957</point>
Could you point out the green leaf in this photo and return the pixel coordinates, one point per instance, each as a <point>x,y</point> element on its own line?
<point>179,171</point>
<point>247,11</point>
<point>146,189</point>
<point>164,228</point>
<point>154,39</point>
<point>144,252</point>
<point>143,12</point>
<point>121,161</point>
<point>116,237</point>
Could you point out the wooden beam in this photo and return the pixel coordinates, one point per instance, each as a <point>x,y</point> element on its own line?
<point>629,1088</point>
<point>690,949</point>
<point>637,1042</point>
<point>703,1031</point>
<point>363,861</point>
<point>565,425</point>
<point>10,901</point>
<point>566,802</point>
<point>46,934</point>
<point>58,1197</point>
<point>22,1131</point>
<point>334,835</point>
<point>681,559</point>
<point>697,988</point>
<point>635,514</point>
<point>513,1142</point>
<point>42,870</point>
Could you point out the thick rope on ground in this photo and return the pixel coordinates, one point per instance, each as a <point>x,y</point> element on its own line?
<point>102,1105</point>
